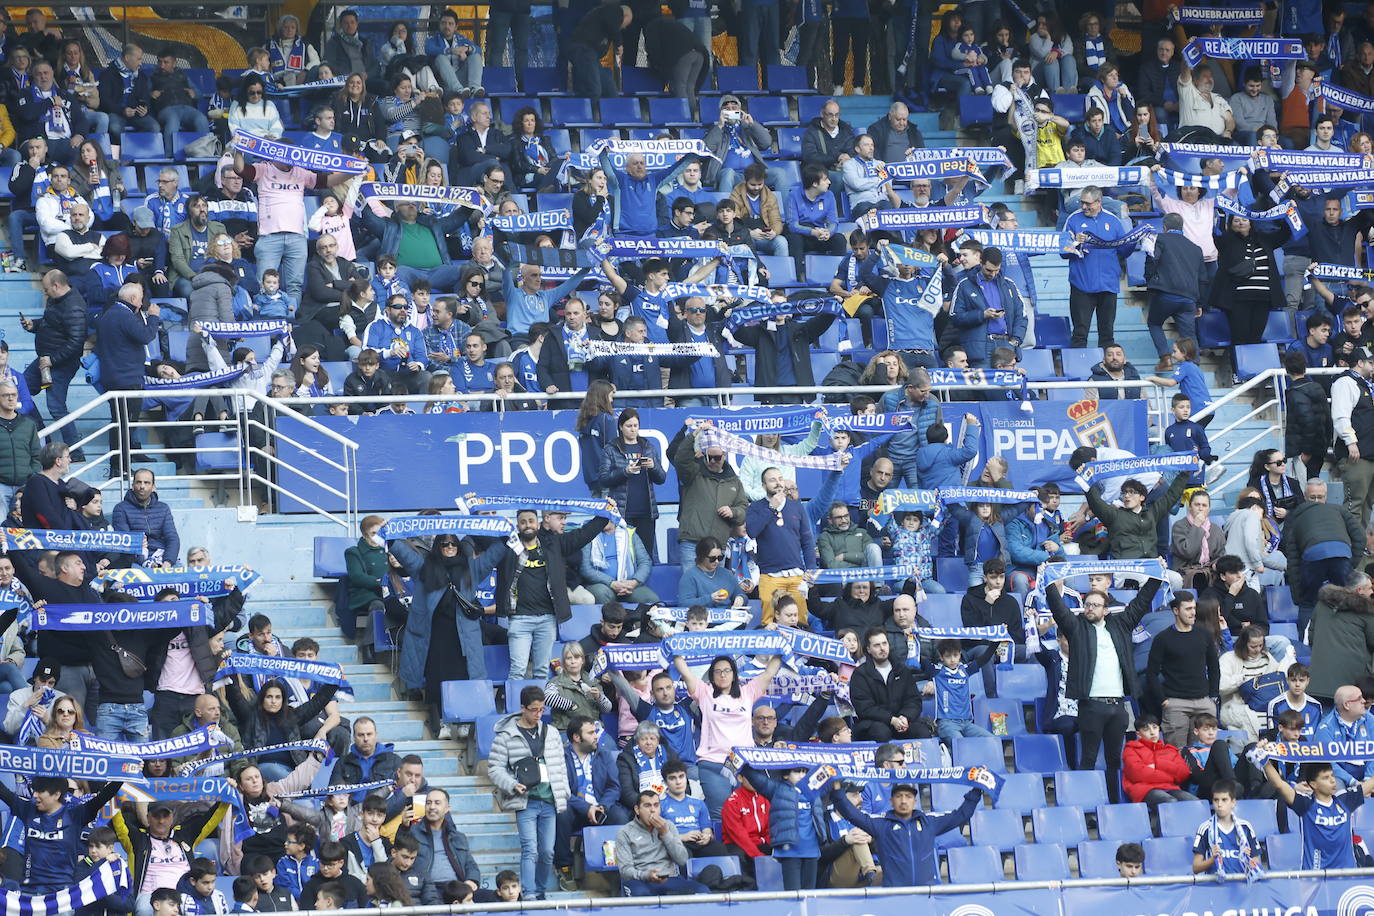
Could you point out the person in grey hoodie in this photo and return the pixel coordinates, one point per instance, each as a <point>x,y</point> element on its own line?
<point>211,299</point>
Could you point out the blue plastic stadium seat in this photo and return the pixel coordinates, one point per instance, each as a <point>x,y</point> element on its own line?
<point>580,623</point>
<point>593,846</point>
<point>217,461</point>
<point>573,112</point>
<point>790,175</point>
<point>513,688</point>
<point>781,272</point>
<point>942,610</point>
<point>728,865</point>
<point>150,173</point>
<point>974,865</point>
<point>507,107</point>
<point>771,111</point>
<point>544,81</point>
<point>1262,815</point>
<point>1021,681</point>
<point>1022,793</point>
<point>466,701</point>
<point>329,556</point>
<point>498,662</point>
<point>1169,855</point>
<point>1041,861</point>
<point>926,753</point>
<point>640,81</point>
<point>1252,359</point>
<point>1279,328</point>
<point>790,143</point>
<point>768,873</point>
<point>622,112</point>
<point>983,752</point>
<point>589,135</point>
<point>499,80</point>
<point>485,731</point>
<point>784,80</point>
<point>1070,105</point>
<point>822,362</point>
<point>1037,753</point>
<point>142,147</point>
<point>1285,851</point>
<point>1039,364</point>
<point>1052,331</point>
<point>663,581</point>
<point>820,268</point>
<point>951,572</point>
<point>737,81</point>
<point>1078,363</point>
<point>1081,788</point>
<point>671,112</point>
<point>1097,858</point>
<point>975,110</point>
<point>1010,707</point>
<point>1061,824</point>
<point>809,106</point>
<point>946,796</point>
<point>1279,600</point>
<point>561,140</point>
<point>1181,818</point>
<point>997,827</point>
<point>381,636</point>
<point>553,200</point>
<point>1213,329</point>
<point>1123,823</point>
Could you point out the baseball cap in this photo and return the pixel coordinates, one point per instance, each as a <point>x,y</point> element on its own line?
<point>905,787</point>
<point>409,135</point>
<point>143,218</point>
<point>48,670</point>
<point>157,808</point>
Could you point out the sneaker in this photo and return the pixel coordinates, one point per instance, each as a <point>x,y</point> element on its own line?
<point>19,266</point>
<point>443,734</point>
<point>566,881</point>
<point>464,730</point>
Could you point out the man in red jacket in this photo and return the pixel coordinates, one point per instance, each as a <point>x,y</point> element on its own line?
<point>1152,770</point>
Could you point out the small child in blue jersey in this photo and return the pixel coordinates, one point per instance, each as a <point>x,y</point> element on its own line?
<point>1187,376</point>
<point>1225,844</point>
<point>974,65</point>
<point>100,846</point>
<point>1183,435</point>
<point>271,302</point>
<point>688,815</point>
<point>791,824</point>
<point>953,707</point>
<point>1326,815</point>
<point>1296,699</point>
<point>299,864</point>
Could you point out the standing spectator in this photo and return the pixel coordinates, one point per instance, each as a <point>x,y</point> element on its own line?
<point>783,351</point>
<point>1094,274</point>
<point>401,345</point>
<point>1252,108</point>
<point>70,651</point>
<point>1342,636</point>
<point>1247,285</point>
<point>174,101</point>
<point>631,467</point>
<point>713,501</point>
<point>509,19</point>
<point>1352,414</point>
<point>786,544</point>
<point>1173,272</point>
<point>988,310</point>
<point>677,55</point>
<point>141,511</point>
<point>1186,660</point>
<point>759,38</point>
<point>529,769</point>
<point>596,33</point>
<point>1322,541</point>
<point>1100,684</point>
<point>123,332</point>
<point>1308,434</point>
<point>455,60</point>
<point>188,251</point>
<point>59,339</point>
<point>18,445</point>
<point>849,29</point>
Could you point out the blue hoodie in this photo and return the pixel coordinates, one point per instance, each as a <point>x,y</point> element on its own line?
<point>939,463</point>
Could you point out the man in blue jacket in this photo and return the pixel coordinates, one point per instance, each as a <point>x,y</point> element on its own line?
<point>593,789</point>
<point>400,344</point>
<point>140,510</point>
<point>988,310</point>
<point>1094,273</point>
<point>939,464</point>
<point>905,836</point>
<point>457,62</point>
<point>925,413</point>
<point>1034,536</point>
<point>1348,721</point>
<point>122,332</point>
<point>786,540</point>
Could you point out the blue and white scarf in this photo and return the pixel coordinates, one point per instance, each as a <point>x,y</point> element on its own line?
<point>895,500</point>
<point>740,642</point>
<point>358,791</point>
<point>766,311</point>
<point>1286,211</point>
<point>632,248</point>
<point>837,576</point>
<point>1358,750</point>
<point>1218,47</point>
<point>33,724</point>
<point>1206,151</point>
<point>203,739</point>
<point>250,664</point>
<point>329,85</point>
<point>1224,182</point>
<point>986,634</point>
<point>900,255</point>
<point>909,218</point>
<point>234,330</point>
<point>1326,178</point>
<point>411,526</point>
<point>547,504</point>
<point>108,879</point>
<point>715,438</point>
<point>153,616</point>
<point>813,645</point>
<point>1125,467</point>
<point>872,422</point>
<point>190,582</point>
<point>715,616</point>
<point>39,761</point>
<point>945,164</point>
<point>59,539</point>
<point>1025,241</point>
<point>426,194</point>
<point>986,495</point>
<point>974,777</point>
<point>193,380</point>
<point>1206,15</point>
<point>1102,176</point>
<point>542,221</point>
<point>753,421</point>
<point>1341,97</point>
<point>1049,573</point>
<point>806,755</point>
<point>192,767</point>
<point>1339,272</point>
<point>628,657</point>
<point>1129,240</point>
<point>298,156</point>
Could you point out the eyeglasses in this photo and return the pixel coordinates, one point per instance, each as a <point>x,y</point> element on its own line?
<point>714,557</point>
<point>448,546</point>
<point>696,311</point>
<point>1277,461</point>
<point>66,712</point>
<point>253,92</point>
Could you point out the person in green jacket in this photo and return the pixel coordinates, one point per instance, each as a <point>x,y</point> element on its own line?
<point>18,444</point>
<point>1132,527</point>
<point>367,564</point>
<point>842,545</point>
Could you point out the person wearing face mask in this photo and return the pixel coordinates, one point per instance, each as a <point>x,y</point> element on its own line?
<point>367,565</point>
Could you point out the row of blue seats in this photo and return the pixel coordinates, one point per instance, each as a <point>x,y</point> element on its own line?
<point>548,82</point>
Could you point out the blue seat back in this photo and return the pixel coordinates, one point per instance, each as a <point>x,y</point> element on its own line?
<point>974,865</point>
<point>466,701</point>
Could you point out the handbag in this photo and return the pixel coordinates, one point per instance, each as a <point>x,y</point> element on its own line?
<point>466,606</point>
<point>130,664</point>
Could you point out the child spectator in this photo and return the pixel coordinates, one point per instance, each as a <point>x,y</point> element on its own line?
<point>1353,334</point>
<point>404,850</point>
<point>1183,435</point>
<point>1208,761</point>
<point>953,706</point>
<point>271,302</point>
<point>331,897</point>
<point>348,889</point>
<point>791,824</point>
<point>100,848</point>
<point>245,892</point>
<point>508,886</point>
<point>199,897</point>
<point>299,864</point>
<point>1153,771</point>
<point>1130,860</point>
<point>1225,844</point>
<point>385,283</point>
<point>1295,698</point>
<point>367,845</point>
<point>973,64</point>
<point>687,814</point>
<point>1327,826</point>
<point>1188,377</point>
<point>271,897</point>
<point>744,823</point>
<point>1050,131</point>
<point>849,850</point>
<point>913,542</point>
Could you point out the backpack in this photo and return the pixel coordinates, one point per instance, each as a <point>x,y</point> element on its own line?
<point>845,374</point>
<point>207,146</point>
<point>1258,692</point>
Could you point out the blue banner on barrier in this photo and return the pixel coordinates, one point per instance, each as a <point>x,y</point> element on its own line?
<point>538,451</point>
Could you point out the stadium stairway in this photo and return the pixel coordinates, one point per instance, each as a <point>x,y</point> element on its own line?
<point>281,548</point>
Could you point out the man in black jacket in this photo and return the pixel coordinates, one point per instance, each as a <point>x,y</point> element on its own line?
<point>884,695</point>
<point>59,338</point>
<point>676,55</point>
<point>27,181</point>
<point>532,585</point>
<point>1101,687</point>
<point>564,350</point>
<point>588,42</point>
<point>828,142</point>
<point>482,145</point>
<point>1172,274</point>
<point>174,101</point>
<point>703,372</point>
<point>1157,82</point>
<point>71,649</point>
<point>439,836</point>
<point>782,352</point>
<point>895,136</point>
<point>126,95</point>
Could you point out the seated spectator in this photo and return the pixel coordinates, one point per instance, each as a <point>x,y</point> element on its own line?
<point>905,837</point>
<point>30,710</point>
<point>1249,538</point>
<point>649,854</point>
<point>456,61</point>
<point>757,210</point>
<point>1052,50</point>
<point>1210,762</point>
<point>736,141</point>
<point>174,100</point>
<point>293,60</point>
<point>1153,771</point>
<point>1110,95</point>
<point>1099,143</point>
<point>333,861</point>
<point>616,565</point>
<point>125,96</point>
<point>444,855</point>
<point>1250,659</point>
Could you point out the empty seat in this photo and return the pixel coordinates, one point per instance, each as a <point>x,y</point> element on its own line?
<point>1124,823</point>
<point>670,112</point>
<point>1279,600</point>
<point>1039,364</point>
<point>951,572</point>
<point>499,80</point>
<point>622,112</point>
<point>737,81</point>
<point>983,752</point>
<point>820,268</point>
<point>544,81</point>
<point>781,272</point>
<point>790,143</point>
<point>1252,359</point>
<point>1262,815</point>
<point>142,147</point>
<point>465,701</point>
<point>1285,851</point>
<point>1061,824</point>
<point>1169,855</point>
<point>975,110</point>
<point>975,865</point>
<point>593,847</point>
<point>1022,793</point>
<point>728,865</point>
<point>1026,681</point>
<point>1052,331</point>
<point>573,112</point>
<point>1083,788</point>
<point>997,827</point>
<point>1041,862</point>
<point>640,81</point>
<point>787,80</point>
<point>1078,363</point>
<point>1181,818</point>
<point>498,662</point>
<point>1213,329</point>
<point>1038,753</point>
<point>771,111</point>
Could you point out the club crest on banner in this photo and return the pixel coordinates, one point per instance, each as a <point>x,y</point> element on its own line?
<point>1090,425</point>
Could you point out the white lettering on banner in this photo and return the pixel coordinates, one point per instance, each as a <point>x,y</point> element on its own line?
<point>466,459</point>
<point>652,161</point>
<point>511,457</point>
<point>47,762</point>
<point>519,449</point>
<point>1027,443</point>
<point>574,454</point>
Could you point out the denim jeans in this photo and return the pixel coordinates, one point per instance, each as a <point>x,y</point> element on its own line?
<point>185,118</point>
<point>20,220</point>
<point>776,247</point>
<point>758,34</point>
<point>1162,306</point>
<point>11,679</point>
<point>716,785</point>
<point>79,683</point>
<point>458,74</point>
<point>442,279</point>
<point>118,124</point>
<point>949,729</point>
<point>537,825</point>
<point>7,494</point>
<point>604,594</point>
<point>286,252</point>
<point>589,78</point>
<point>273,771</point>
<point>531,643</point>
<point>676,886</point>
<point>726,179</point>
<point>122,722</point>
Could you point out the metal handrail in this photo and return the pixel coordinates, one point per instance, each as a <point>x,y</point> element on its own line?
<point>243,424</point>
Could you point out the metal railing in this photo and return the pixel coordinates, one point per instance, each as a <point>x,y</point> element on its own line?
<point>253,425</point>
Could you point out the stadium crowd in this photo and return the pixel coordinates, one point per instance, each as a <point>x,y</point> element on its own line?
<point>445,253</point>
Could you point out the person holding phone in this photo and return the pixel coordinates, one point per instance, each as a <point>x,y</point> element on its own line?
<point>988,310</point>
